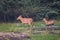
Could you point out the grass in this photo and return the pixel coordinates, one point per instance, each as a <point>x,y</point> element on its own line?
<point>45,37</point>
<point>13,27</point>
<point>57,23</point>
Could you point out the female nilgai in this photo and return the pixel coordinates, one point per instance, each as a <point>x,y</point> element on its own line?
<point>26,21</point>
<point>49,23</point>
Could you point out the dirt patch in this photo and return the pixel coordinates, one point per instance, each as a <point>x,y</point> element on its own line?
<point>13,36</point>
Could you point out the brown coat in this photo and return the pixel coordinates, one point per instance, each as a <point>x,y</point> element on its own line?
<point>25,20</point>
<point>48,22</point>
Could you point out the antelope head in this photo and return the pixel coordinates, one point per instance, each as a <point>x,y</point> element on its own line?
<point>19,17</point>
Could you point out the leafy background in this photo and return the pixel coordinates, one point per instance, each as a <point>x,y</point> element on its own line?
<point>36,9</point>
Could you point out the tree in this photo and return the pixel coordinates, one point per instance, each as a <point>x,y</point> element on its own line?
<point>36,9</point>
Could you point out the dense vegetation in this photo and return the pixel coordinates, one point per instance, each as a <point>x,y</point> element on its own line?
<point>36,9</point>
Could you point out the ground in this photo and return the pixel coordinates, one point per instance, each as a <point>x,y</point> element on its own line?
<point>13,36</point>
<point>16,27</point>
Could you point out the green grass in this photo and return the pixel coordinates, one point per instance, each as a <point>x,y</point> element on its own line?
<point>13,27</point>
<point>45,37</point>
<point>10,27</point>
<point>57,23</point>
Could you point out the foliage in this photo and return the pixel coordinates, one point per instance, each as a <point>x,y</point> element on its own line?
<point>36,9</point>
